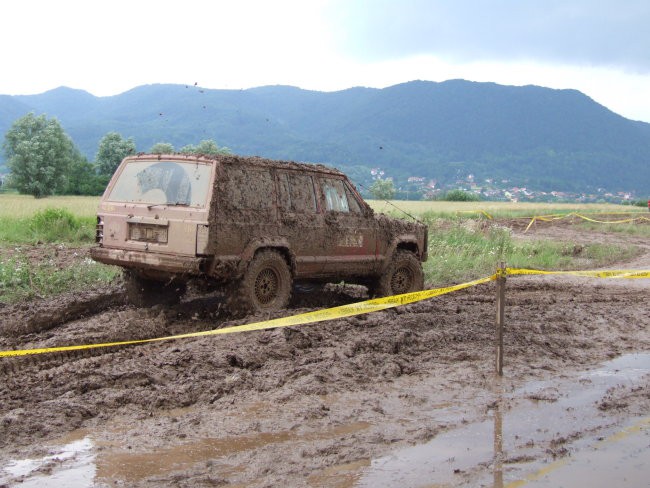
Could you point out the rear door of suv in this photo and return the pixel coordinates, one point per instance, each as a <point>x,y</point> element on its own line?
<point>302,222</point>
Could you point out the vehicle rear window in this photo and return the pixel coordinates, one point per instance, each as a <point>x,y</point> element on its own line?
<point>163,183</point>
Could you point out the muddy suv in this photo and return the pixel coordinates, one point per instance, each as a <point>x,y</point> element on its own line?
<point>253,226</point>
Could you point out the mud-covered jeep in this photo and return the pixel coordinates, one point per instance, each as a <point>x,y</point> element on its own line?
<point>254,227</point>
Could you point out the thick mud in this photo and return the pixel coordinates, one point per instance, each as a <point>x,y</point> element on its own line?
<point>327,404</point>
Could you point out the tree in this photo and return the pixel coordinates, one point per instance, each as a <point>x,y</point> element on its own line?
<point>83,178</point>
<point>162,148</point>
<point>39,154</point>
<point>112,150</point>
<point>207,146</point>
<point>382,189</point>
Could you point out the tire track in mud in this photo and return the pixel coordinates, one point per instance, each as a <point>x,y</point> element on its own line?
<point>41,315</point>
<point>50,323</point>
<point>552,325</point>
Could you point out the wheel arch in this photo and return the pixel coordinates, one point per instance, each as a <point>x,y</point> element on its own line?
<point>406,243</point>
<point>281,246</point>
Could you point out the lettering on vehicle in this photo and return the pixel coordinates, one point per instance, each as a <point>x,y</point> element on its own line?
<point>351,240</point>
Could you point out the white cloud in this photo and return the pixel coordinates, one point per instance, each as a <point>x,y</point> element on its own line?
<point>109,47</point>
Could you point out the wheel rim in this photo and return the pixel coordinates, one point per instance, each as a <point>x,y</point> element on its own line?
<point>401,281</point>
<point>266,286</point>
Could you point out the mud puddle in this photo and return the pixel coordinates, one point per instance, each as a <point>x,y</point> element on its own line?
<point>87,463</point>
<point>531,434</point>
<point>556,429</point>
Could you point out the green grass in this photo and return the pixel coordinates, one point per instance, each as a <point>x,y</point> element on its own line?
<point>463,243</point>
<point>47,226</point>
<point>635,229</point>
<point>47,223</point>
<point>22,278</point>
<point>465,250</point>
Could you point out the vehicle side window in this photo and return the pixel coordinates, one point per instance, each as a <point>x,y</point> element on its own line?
<point>335,198</point>
<point>353,203</point>
<point>296,193</point>
<point>249,189</point>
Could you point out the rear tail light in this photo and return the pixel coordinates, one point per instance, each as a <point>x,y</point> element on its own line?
<point>99,230</point>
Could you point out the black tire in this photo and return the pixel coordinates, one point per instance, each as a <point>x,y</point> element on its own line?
<point>403,275</point>
<point>266,285</point>
<point>142,292</point>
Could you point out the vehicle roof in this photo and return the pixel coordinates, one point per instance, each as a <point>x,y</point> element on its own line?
<point>239,160</point>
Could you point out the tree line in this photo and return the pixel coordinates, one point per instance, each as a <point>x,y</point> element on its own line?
<point>43,160</point>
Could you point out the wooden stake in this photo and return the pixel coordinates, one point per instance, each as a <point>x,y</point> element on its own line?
<point>501,302</point>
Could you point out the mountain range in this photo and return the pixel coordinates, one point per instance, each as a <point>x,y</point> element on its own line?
<point>531,136</point>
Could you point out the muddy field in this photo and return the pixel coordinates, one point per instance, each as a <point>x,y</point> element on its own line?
<point>403,397</point>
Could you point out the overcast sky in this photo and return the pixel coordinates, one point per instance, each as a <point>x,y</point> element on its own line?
<point>600,47</point>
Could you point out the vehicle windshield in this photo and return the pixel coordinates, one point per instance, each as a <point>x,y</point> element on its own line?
<point>163,183</point>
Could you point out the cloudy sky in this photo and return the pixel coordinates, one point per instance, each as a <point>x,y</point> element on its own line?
<point>600,47</point>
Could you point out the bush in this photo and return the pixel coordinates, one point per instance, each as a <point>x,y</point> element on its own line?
<point>59,224</point>
<point>54,218</point>
<point>460,196</point>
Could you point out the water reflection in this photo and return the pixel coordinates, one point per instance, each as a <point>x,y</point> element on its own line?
<point>544,420</point>
<point>498,443</point>
<point>82,463</point>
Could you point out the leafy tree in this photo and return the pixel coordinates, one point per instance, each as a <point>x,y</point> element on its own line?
<point>112,150</point>
<point>162,148</point>
<point>39,154</point>
<point>207,146</point>
<point>83,178</point>
<point>382,189</point>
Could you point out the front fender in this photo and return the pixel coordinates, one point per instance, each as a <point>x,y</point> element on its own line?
<point>405,241</point>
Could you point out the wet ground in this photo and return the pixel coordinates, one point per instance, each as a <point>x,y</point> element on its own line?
<point>404,397</point>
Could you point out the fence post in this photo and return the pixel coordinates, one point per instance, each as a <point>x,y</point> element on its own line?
<point>501,300</point>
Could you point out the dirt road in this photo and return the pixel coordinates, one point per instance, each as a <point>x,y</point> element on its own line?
<point>406,396</point>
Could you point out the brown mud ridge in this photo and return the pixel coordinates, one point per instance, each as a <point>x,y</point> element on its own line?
<point>311,405</point>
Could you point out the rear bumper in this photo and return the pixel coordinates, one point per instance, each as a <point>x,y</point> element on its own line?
<point>148,260</point>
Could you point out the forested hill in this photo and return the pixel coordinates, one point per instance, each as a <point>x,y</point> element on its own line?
<point>532,136</point>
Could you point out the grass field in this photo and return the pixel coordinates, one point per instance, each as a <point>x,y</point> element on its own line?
<point>17,206</point>
<point>495,209</point>
<point>463,243</point>
<point>21,206</point>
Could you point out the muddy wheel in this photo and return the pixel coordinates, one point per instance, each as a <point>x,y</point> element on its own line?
<point>404,275</point>
<point>266,285</point>
<point>142,292</point>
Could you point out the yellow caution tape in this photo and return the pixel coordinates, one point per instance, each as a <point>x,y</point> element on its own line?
<point>622,221</point>
<point>549,218</point>
<point>367,306</point>
<point>629,274</point>
<point>487,215</point>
